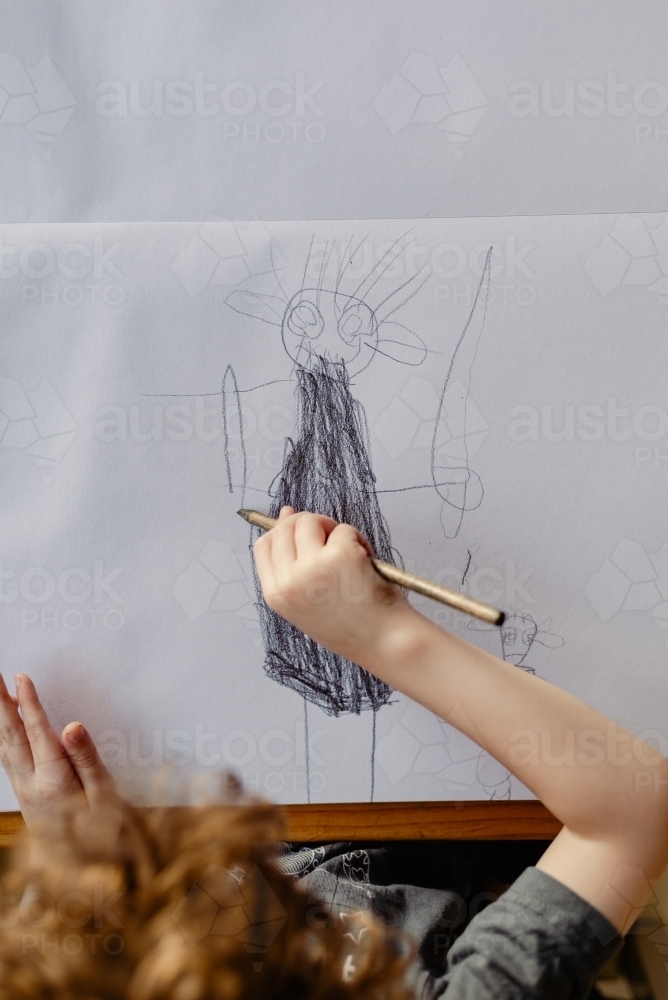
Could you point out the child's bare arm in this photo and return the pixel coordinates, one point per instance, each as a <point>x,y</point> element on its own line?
<point>608,788</point>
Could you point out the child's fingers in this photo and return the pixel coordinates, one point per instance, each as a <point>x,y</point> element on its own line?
<point>14,746</point>
<point>82,753</point>
<point>5,694</point>
<point>311,531</point>
<point>346,537</point>
<point>286,512</point>
<point>44,742</point>
<point>283,549</point>
<point>263,562</point>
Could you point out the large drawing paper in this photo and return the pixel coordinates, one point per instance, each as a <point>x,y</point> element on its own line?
<point>484,397</point>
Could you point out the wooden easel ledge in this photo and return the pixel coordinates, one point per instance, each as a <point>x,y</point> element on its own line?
<point>521,820</point>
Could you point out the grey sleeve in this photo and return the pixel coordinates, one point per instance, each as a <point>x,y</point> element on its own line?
<point>539,941</point>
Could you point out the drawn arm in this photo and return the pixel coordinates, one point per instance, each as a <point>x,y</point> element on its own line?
<point>235,459</point>
<point>457,421</point>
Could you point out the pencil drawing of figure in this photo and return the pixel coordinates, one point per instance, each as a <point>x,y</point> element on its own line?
<point>332,328</point>
<point>518,634</point>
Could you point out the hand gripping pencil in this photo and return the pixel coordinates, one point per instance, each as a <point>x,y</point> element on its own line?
<point>461,602</point>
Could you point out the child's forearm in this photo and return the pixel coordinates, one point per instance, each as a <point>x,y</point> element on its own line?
<point>609,789</point>
<point>592,774</point>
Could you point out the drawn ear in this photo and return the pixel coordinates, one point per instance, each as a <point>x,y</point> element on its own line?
<point>548,639</point>
<point>401,344</point>
<point>267,308</point>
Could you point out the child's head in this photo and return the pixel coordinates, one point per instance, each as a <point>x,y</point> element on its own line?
<point>119,902</point>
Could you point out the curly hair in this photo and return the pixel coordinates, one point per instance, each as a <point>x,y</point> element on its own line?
<point>179,904</point>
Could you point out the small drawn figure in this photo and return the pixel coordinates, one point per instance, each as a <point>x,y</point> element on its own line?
<point>518,634</point>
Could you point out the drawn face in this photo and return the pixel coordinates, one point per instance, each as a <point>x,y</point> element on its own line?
<point>517,636</point>
<point>319,323</point>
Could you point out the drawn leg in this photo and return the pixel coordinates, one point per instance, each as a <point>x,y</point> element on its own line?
<point>307,758</point>
<point>373,754</point>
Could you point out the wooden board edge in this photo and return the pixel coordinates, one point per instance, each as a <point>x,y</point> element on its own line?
<point>523,820</point>
<point>11,824</point>
<point>520,820</point>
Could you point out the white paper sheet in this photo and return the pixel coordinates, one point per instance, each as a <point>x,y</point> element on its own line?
<point>176,109</point>
<point>126,586</point>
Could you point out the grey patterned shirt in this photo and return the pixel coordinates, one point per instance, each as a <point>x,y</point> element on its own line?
<point>537,941</point>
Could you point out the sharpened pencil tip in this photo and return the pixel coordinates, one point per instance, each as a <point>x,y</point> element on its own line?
<point>244,513</point>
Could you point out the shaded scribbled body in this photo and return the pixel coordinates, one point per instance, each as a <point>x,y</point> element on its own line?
<point>328,469</point>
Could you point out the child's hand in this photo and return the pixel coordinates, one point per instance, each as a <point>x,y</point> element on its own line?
<point>42,767</point>
<point>318,575</point>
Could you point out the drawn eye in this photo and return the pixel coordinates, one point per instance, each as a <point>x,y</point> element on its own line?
<point>305,320</point>
<point>351,325</point>
<point>509,635</point>
<point>355,322</point>
<point>528,636</point>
